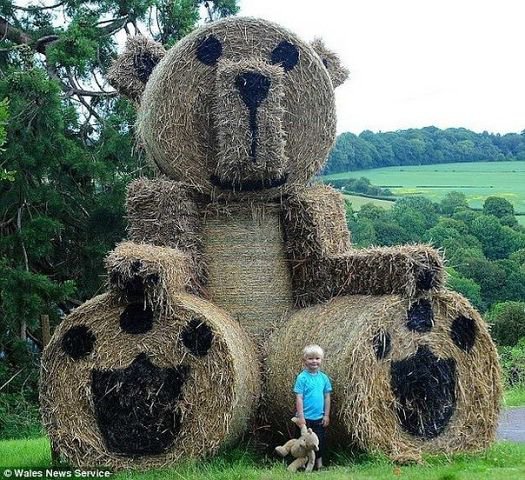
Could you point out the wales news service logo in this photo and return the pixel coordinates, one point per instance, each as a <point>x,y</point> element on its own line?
<point>54,473</point>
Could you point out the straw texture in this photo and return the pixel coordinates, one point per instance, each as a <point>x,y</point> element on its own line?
<point>251,140</point>
<point>131,70</point>
<point>324,265</point>
<point>215,392</point>
<point>373,346</point>
<point>176,122</point>
<point>338,72</point>
<point>141,269</point>
<point>162,212</point>
<point>248,274</point>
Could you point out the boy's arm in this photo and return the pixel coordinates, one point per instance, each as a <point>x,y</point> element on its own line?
<point>326,417</point>
<point>299,410</point>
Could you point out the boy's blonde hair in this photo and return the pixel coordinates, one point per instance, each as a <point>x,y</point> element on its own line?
<point>311,350</point>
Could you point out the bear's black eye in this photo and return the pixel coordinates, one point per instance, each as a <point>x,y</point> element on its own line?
<point>197,338</point>
<point>286,55</point>
<point>382,344</point>
<point>78,342</point>
<point>209,50</point>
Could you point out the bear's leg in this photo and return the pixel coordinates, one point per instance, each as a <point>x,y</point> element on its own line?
<point>311,461</point>
<point>297,463</point>
<point>285,449</point>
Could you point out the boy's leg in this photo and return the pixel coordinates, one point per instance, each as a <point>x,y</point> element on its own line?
<point>317,427</point>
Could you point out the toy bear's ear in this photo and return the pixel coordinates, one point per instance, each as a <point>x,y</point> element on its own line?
<point>131,70</point>
<point>338,73</point>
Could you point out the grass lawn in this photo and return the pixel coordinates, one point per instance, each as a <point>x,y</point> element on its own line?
<point>476,180</point>
<point>515,397</point>
<point>503,461</point>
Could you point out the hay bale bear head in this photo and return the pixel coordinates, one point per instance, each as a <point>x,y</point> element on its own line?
<point>241,104</point>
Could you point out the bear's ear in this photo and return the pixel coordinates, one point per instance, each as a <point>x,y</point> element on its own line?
<point>338,73</point>
<point>131,70</point>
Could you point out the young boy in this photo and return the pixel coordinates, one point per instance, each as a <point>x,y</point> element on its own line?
<point>312,397</point>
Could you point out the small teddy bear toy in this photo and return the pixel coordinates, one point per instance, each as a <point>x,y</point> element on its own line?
<point>301,448</point>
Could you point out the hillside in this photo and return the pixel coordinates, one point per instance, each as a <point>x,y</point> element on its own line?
<point>424,146</point>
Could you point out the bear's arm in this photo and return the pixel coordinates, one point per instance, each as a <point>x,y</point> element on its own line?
<point>325,265</point>
<point>164,244</point>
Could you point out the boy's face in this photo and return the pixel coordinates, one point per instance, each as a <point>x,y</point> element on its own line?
<point>313,362</point>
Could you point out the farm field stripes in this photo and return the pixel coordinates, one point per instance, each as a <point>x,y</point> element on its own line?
<point>477,181</point>
<point>358,201</point>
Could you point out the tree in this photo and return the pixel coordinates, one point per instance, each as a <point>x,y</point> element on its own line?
<point>70,138</point>
<point>489,276</point>
<point>4,114</point>
<point>497,206</point>
<point>466,286</point>
<point>69,153</point>
<point>508,322</point>
<point>452,202</point>
<point>494,238</point>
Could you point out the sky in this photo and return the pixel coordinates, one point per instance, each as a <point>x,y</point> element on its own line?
<point>416,63</point>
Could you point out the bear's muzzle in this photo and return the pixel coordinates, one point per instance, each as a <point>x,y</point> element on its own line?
<point>247,118</point>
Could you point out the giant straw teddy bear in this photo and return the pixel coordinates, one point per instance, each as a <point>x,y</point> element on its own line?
<point>224,246</point>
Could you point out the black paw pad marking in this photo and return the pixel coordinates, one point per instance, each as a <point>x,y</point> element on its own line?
<point>78,342</point>
<point>425,280</point>
<point>136,407</point>
<point>382,344</point>
<point>136,318</point>
<point>197,338</point>
<point>286,55</point>
<point>424,386</point>
<point>463,332</point>
<point>209,50</point>
<point>420,317</point>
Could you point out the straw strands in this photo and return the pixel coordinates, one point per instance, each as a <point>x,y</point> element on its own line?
<point>175,121</point>
<point>324,264</point>
<point>248,274</point>
<point>130,72</point>
<point>247,114</point>
<point>137,270</point>
<point>162,212</point>
<point>184,387</point>
<point>338,72</point>
<point>403,384</point>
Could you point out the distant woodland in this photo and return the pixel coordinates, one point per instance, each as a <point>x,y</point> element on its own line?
<point>429,145</point>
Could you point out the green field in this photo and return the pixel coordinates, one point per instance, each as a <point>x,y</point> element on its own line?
<point>358,202</point>
<point>476,180</point>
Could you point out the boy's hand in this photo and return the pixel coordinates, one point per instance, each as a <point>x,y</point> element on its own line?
<point>301,422</point>
<point>326,421</point>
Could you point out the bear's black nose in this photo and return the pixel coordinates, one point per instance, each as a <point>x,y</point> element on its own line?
<point>253,87</point>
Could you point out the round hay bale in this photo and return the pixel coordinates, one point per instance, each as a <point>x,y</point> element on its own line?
<point>121,388</point>
<point>186,126</point>
<point>408,377</point>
